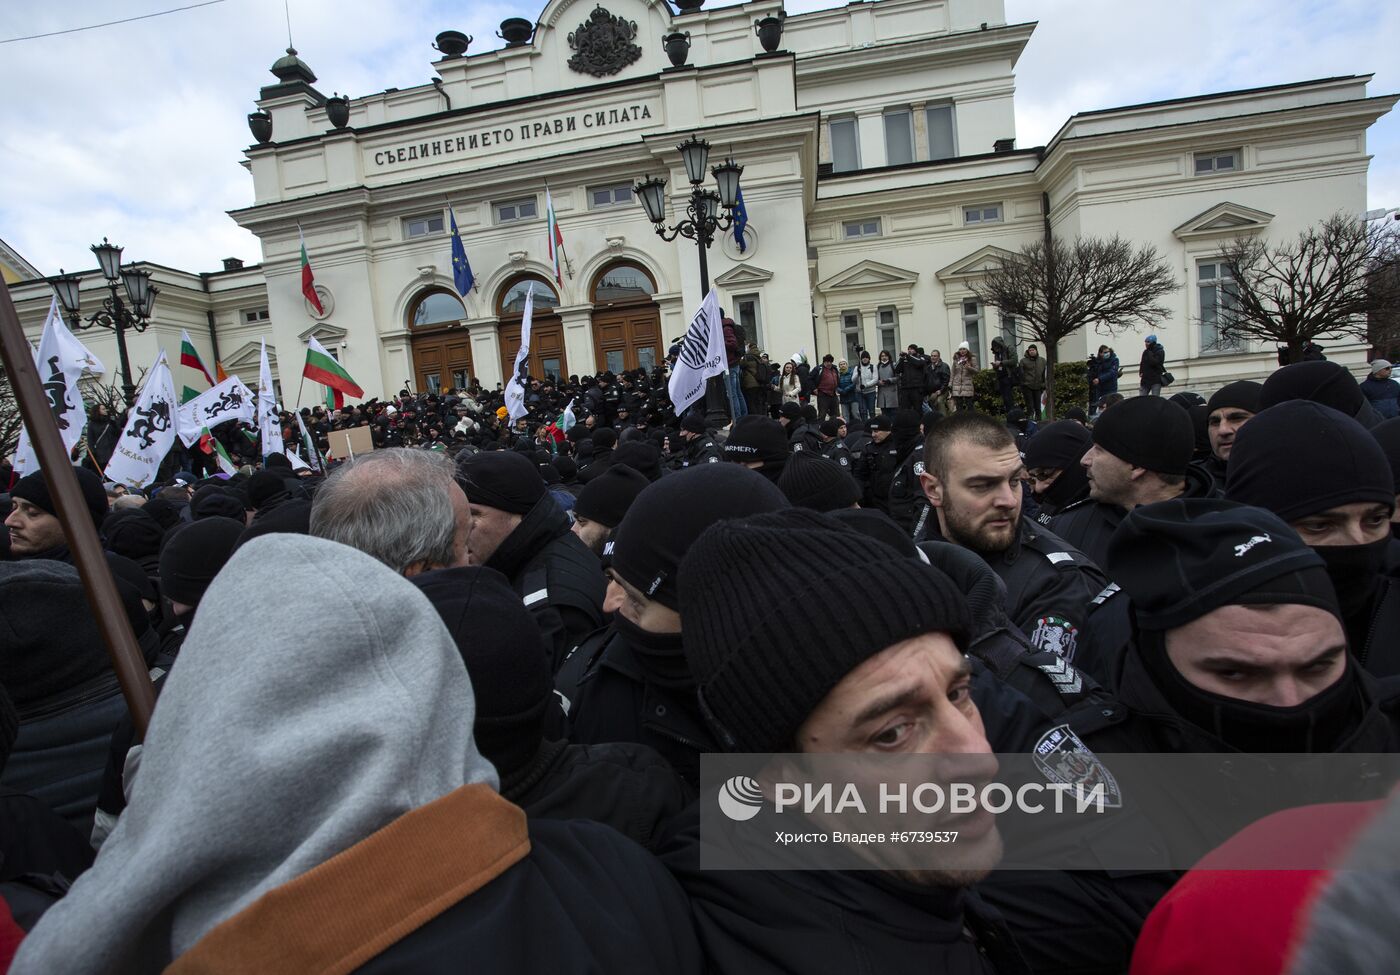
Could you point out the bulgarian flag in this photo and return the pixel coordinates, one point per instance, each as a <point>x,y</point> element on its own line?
<point>322,368</point>
<point>308,280</point>
<point>556,237</point>
<point>189,357</point>
<point>209,445</point>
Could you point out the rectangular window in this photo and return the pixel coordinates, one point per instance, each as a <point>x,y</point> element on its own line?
<point>852,229</point>
<point>1220,161</point>
<point>982,213</point>
<point>899,137</point>
<point>889,331</point>
<point>1218,295</point>
<point>1008,331</point>
<point>850,331</point>
<point>845,145</point>
<point>252,316</point>
<point>941,141</point>
<point>515,210</point>
<point>424,226</point>
<point>972,327</point>
<point>610,196</point>
<point>646,358</point>
<point>750,317</point>
<point>615,360</point>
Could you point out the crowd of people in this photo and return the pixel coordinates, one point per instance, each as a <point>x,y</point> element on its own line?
<point>446,703</point>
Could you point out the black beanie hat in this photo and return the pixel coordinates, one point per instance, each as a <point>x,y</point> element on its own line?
<point>129,572</point>
<point>666,519</point>
<point>1300,457</point>
<point>567,468</point>
<point>606,498</point>
<point>194,555</point>
<point>166,513</point>
<point>604,438</point>
<point>278,461</point>
<point>765,641</point>
<point>133,533</point>
<point>1148,432</point>
<point>215,503</point>
<point>1322,382</point>
<point>1243,394</point>
<point>885,421</point>
<point>831,427</point>
<point>1387,434</point>
<point>693,422</point>
<point>875,524</point>
<point>504,651</point>
<point>48,634</point>
<point>756,438</point>
<point>641,456</point>
<point>812,481</point>
<point>505,479</point>
<point>1179,560</point>
<point>35,489</point>
<point>1077,413</point>
<point>266,489</point>
<point>292,518</point>
<point>1187,399</point>
<point>1058,445</point>
<point>790,411</point>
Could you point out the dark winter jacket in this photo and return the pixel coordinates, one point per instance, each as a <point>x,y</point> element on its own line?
<point>622,784</point>
<point>701,450</point>
<point>1106,372</point>
<point>912,370</point>
<point>555,574</point>
<point>614,691</point>
<point>1033,372</point>
<point>1384,395</point>
<point>1152,365</point>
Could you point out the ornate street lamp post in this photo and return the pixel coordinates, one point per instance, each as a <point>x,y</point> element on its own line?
<point>115,314</point>
<point>702,222</point>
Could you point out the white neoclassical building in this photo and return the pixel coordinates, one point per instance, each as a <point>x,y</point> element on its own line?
<point>881,173</point>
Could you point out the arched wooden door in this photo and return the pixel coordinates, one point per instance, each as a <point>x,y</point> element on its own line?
<point>626,320</point>
<point>547,358</point>
<point>442,350</point>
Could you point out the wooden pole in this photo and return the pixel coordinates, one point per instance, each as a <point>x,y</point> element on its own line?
<point>72,511</point>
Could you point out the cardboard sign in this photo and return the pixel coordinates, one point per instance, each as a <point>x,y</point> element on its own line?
<point>349,444</point>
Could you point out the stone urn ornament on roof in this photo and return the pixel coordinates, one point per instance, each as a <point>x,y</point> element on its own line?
<point>603,44</point>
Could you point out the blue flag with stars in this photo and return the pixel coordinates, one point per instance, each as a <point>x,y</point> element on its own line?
<point>461,268</point>
<point>741,220</point>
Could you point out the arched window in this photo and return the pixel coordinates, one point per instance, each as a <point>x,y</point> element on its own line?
<point>623,282</point>
<point>436,308</point>
<point>513,298</point>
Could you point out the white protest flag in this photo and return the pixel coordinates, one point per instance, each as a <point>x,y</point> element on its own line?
<point>269,427</point>
<point>60,362</point>
<point>515,389</point>
<point>295,460</point>
<point>313,454</point>
<point>568,420</point>
<point>701,355</point>
<point>230,400</point>
<point>150,430</point>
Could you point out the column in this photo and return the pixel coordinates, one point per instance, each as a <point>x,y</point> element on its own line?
<point>578,338</point>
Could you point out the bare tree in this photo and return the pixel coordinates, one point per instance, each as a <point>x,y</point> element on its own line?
<point>1052,289</point>
<point>1323,283</point>
<point>10,422</point>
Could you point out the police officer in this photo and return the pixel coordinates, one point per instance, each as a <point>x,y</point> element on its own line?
<point>629,681</point>
<point>832,440</point>
<point>1229,408</point>
<point>972,479</point>
<point>801,434</point>
<point>1141,454</point>
<point>877,462</point>
<point>1053,468</point>
<point>693,445</point>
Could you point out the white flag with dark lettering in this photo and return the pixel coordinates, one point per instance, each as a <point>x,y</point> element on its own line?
<point>150,430</point>
<point>515,387</point>
<point>269,423</point>
<point>60,361</point>
<point>701,356</point>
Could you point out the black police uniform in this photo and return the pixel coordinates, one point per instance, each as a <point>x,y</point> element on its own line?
<point>701,450</point>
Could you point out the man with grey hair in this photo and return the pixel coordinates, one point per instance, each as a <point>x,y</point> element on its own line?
<point>401,506</point>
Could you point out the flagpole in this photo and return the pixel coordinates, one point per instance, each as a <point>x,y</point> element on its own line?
<point>72,512</point>
<point>300,386</point>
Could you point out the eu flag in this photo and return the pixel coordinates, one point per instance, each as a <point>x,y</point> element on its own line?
<point>741,220</point>
<point>461,268</point>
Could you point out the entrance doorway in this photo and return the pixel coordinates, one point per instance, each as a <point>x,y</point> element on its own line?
<point>626,320</point>
<point>442,350</point>
<point>547,357</point>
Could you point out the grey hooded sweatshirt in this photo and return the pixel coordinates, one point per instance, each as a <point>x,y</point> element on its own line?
<point>318,698</point>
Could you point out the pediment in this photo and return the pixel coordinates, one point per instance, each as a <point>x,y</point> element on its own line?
<point>1224,218</point>
<point>742,275</point>
<point>974,264</point>
<point>869,274</point>
<point>323,333</point>
<point>247,361</point>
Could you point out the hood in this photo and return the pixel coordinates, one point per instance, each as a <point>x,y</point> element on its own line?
<point>277,745</point>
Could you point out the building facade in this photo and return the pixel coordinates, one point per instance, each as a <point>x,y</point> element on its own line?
<point>881,175</point>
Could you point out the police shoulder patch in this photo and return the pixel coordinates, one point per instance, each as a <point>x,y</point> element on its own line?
<point>1056,634</point>
<point>1062,757</point>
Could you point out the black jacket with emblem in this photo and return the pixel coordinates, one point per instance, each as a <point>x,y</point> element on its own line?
<point>803,436</point>
<point>701,450</point>
<point>875,468</point>
<point>610,695</point>
<point>907,502</point>
<point>835,449</point>
<point>557,577</point>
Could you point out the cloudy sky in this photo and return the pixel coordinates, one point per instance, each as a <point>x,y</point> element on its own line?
<point>135,131</point>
